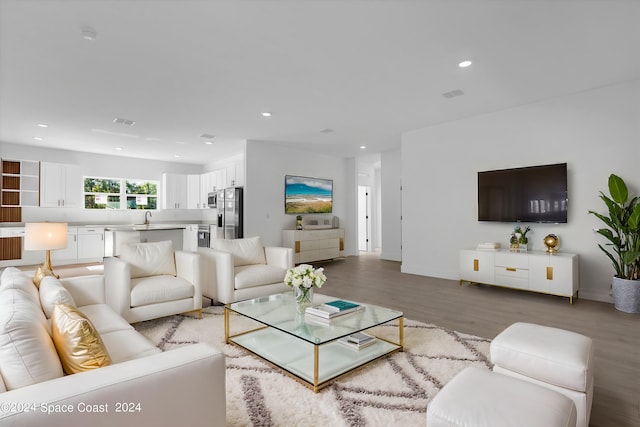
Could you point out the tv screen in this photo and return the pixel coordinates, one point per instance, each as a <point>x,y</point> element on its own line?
<point>307,195</point>
<point>530,194</point>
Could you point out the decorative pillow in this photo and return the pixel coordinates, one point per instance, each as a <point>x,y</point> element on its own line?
<point>27,354</point>
<point>51,293</point>
<point>245,251</point>
<point>78,343</point>
<point>149,259</point>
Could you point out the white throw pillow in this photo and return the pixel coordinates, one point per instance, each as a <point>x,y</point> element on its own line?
<point>245,251</point>
<point>51,293</point>
<point>149,259</point>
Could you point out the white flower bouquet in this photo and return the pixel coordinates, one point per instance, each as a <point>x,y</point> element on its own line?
<point>305,276</point>
<point>302,279</point>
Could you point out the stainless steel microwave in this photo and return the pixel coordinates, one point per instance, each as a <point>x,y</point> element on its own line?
<point>212,199</point>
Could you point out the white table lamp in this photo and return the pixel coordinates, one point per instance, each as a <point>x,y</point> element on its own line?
<point>45,236</point>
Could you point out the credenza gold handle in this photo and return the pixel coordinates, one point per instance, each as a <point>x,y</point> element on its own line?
<point>297,246</point>
<point>475,265</point>
<point>549,273</point>
<point>511,269</point>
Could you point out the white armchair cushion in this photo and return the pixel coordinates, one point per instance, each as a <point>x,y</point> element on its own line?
<point>158,289</point>
<point>250,276</point>
<point>51,293</point>
<point>245,251</point>
<point>149,259</point>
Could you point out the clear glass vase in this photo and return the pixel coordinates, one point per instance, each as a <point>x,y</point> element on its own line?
<point>303,298</point>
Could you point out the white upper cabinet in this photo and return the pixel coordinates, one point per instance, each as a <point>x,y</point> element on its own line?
<point>174,191</point>
<point>194,195</point>
<point>60,185</point>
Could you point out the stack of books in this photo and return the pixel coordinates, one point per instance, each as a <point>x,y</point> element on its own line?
<point>333,309</point>
<point>358,340</point>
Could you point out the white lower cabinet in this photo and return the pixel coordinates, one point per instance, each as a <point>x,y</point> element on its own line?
<point>91,243</point>
<point>84,244</point>
<point>555,274</point>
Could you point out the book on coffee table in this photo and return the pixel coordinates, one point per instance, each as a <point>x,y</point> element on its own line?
<point>329,311</point>
<point>358,340</point>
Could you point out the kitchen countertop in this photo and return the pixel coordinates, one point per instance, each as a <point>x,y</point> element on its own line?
<point>114,227</point>
<point>145,227</point>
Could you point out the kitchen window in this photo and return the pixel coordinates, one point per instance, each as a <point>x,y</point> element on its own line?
<point>120,193</point>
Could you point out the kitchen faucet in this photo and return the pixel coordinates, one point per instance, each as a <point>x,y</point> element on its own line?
<point>146,220</point>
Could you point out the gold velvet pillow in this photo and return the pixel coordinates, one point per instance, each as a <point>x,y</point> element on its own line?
<point>79,345</point>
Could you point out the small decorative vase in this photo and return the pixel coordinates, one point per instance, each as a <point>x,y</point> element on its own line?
<point>299,224</point>
<point>303,298</point>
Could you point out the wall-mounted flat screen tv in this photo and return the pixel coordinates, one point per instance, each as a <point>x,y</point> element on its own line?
<point>304,195</point>
<point>529,194</point>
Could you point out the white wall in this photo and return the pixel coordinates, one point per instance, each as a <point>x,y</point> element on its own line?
<point>391,198</point>
<point>102,166</point>
<point>594,132</point>
<point>266,166</point>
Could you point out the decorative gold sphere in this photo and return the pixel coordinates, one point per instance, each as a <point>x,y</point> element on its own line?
<point>551,241</point>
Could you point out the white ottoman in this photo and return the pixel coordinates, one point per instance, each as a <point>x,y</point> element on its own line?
<point>481,398</point>
<point>554,358</point>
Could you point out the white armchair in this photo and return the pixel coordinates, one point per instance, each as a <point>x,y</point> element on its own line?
<point>150,280</point>
<point>239,269</point>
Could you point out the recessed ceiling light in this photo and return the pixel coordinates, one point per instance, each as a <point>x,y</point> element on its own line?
<point>465,64</point>
<point>38,138</point>
<point>208,142</point>
<point>207,136</point>
<point>266,114</point>
<point>363,147</point>
<point>88,33</point>
<point>453,93</point>
<point>176,156</point>
<point>118,148</point>
<point>43,125</point>
<point>126,122</point>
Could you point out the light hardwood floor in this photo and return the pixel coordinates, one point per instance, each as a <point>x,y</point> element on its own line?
<point>485,311</point>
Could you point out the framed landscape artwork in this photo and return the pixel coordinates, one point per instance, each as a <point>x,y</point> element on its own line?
<point>307,195</point>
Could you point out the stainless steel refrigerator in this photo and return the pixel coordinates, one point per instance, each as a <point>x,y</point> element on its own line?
<point>229,205</point>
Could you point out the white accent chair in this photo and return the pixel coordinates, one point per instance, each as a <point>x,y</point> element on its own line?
<point>240,269</point>
<point>150,280</point>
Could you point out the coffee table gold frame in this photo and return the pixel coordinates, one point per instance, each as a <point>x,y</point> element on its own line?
<point>315,385</point>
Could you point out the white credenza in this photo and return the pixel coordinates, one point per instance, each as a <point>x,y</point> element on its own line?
<point>314,245</point>
<point>554,274</point>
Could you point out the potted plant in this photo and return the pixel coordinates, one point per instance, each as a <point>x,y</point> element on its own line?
<point>623,249</point>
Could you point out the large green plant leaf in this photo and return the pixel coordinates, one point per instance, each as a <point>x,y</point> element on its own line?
<point>634,218</point>
<point>618,189</point>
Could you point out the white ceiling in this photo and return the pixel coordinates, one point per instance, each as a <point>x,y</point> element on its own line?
<point>368,69</point>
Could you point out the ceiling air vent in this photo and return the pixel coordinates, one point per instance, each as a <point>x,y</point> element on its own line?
<point>125,122</point>
<point>453,93</point>
<point>207,136</point>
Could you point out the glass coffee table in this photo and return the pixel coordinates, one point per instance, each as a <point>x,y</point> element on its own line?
<point>306,349</point>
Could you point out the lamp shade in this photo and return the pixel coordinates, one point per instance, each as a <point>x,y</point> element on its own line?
<point>40,236</point>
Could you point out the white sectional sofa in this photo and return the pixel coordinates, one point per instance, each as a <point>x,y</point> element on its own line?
<point>141,386</point>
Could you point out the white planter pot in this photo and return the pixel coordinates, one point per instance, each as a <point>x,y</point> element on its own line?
<point>626,295</point>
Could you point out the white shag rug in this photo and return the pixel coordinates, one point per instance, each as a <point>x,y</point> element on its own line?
<point>394,390</point>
